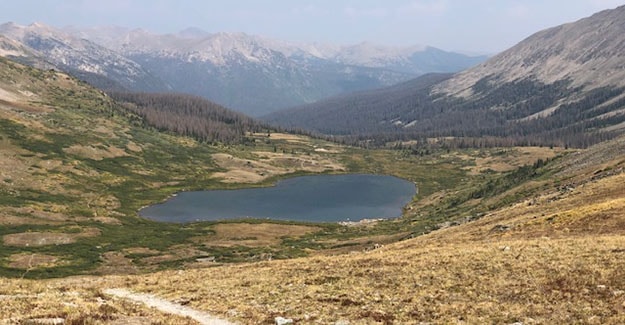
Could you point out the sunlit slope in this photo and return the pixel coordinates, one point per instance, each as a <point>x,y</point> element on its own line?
<point>554,257</point>
<point>75,167</point>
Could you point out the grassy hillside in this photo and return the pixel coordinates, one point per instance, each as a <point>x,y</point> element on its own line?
<point>552,257</point>
<point>76,168</point>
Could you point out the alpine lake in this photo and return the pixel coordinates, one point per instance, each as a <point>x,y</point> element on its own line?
<point>318,198</point>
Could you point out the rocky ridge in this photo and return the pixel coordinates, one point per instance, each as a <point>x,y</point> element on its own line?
<point>589,52</point>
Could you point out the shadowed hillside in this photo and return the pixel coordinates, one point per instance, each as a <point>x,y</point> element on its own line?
<point>189,116</point>
<point>562,86</point>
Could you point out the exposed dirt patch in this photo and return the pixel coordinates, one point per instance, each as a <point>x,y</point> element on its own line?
<point>159,259</point>
<point>242,170</point>
<point>163,184</point>
<point>96,152</point>
<point>51,164</point>
<point>30,239</point>
<point>253,235</point>
<point>168,307</point>
<point>10,220</point>
<point>35,239</point>
<point>6,96</point>
<point>328,150</point>
<point>311,162</point>
<point>140,250</point>
<point>239,176</point>
<point>30,261</point>
<point>106,128</point>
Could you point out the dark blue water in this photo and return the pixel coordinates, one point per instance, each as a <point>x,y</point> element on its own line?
<point>321,198</point>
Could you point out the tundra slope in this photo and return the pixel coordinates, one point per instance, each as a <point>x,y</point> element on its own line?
<point>554,255</point>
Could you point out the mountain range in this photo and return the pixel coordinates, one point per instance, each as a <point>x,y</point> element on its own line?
<point>505,235</point>
<point>251,74</point>
<point>561,86</point>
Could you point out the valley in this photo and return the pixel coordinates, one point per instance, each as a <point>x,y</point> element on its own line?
<point>518,162</point>
<point>545,90</point>
<point>70,198</point>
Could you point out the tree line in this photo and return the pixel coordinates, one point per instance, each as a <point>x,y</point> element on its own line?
<point>189,115</point>
<point>497,113</point>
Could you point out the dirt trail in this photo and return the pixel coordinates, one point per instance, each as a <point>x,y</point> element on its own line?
<point>168,307</point>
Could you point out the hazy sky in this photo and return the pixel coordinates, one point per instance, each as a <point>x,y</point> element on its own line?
<point>468,25</point>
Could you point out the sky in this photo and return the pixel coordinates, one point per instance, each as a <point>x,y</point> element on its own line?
<point>472,26</point>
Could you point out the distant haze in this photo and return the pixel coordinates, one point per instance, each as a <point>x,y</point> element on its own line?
<point>476,26</point>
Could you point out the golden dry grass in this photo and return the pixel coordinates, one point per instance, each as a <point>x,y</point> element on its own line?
<point>75,301</point>
<point>28,261</point>
<point>253,235</point>
<point>537,281</point>
<point>285,136</point>
<point>532,281</point>
<point>34,239</point>
<point>16,216</point>
<point>96,152</point>
<point>512,159</point>
<point>361,244</point>
<point>517,264</point>
<point>268,164</point>
<point>513,265</point>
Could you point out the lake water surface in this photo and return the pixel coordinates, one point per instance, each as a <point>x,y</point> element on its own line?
<point>320,198</point>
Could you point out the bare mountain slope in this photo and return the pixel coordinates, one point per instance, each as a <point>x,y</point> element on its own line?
<point>589,52</point>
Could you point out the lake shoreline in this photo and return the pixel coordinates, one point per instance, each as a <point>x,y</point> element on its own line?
<point>342,198</point>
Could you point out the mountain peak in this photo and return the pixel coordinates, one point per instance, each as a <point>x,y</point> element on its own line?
<point>193,32</point>
<point>8,24</point>
<point>375,55</point>
<point>38,25</point>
